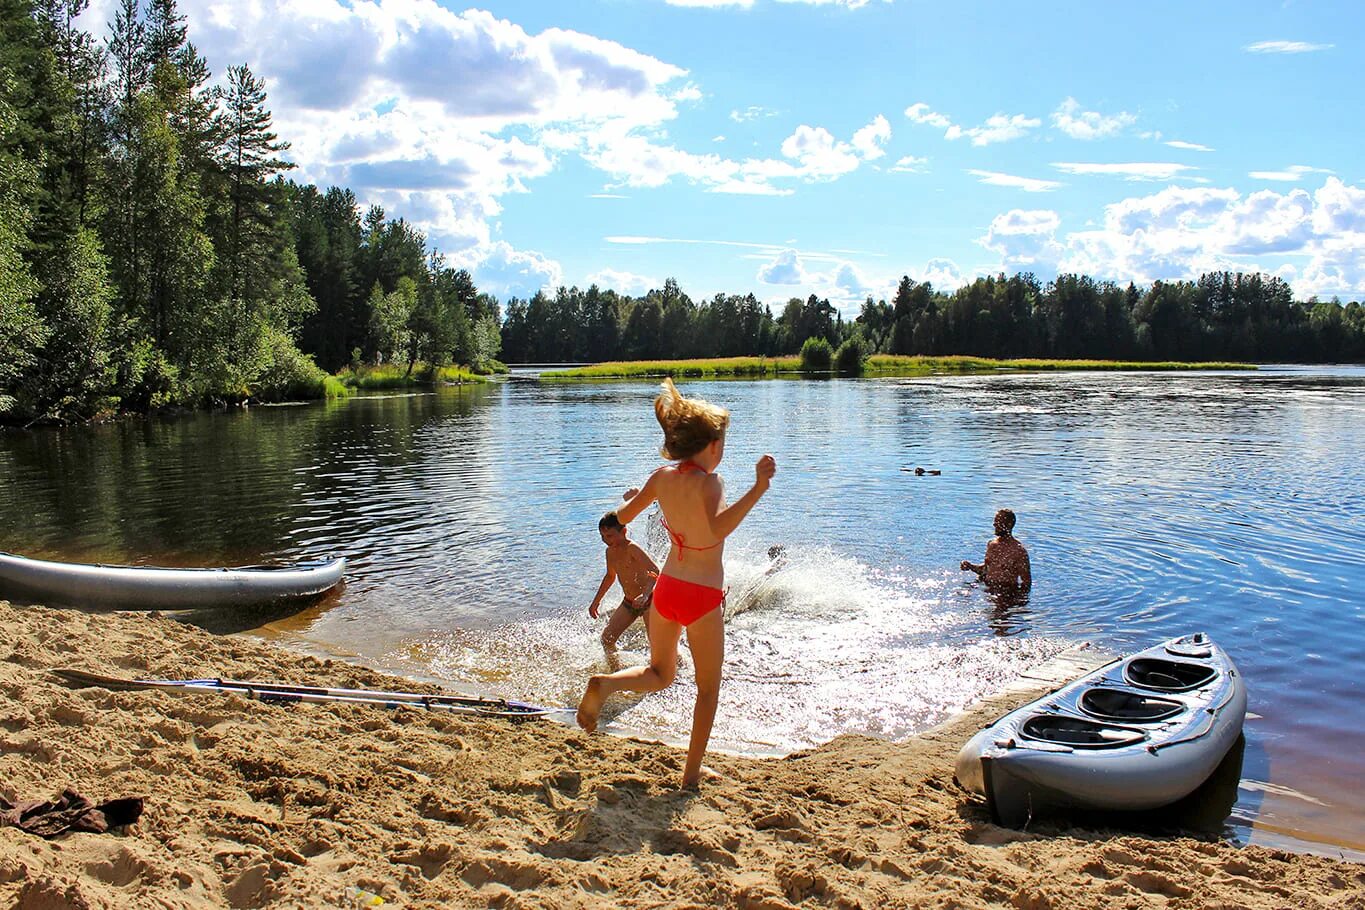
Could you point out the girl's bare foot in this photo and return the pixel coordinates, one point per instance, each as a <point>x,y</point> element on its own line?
<point>591,705</point>
<point>694,783</point>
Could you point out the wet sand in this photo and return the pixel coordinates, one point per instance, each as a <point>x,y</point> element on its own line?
<point>256,805</point>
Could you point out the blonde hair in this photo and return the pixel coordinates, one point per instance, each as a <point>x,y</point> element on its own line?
<point>689,424</point>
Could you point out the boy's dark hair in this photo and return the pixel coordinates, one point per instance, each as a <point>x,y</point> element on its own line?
<point>610,520</point>
<point>1008,516</point>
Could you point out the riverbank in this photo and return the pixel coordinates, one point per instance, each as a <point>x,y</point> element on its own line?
<point>876,365</point>
<point>372,377</point>
<point>250,804</point>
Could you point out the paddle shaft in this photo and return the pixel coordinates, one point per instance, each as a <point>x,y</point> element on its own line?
<point>284,693</point>
<point>440,698</point>
<point>284,696</point>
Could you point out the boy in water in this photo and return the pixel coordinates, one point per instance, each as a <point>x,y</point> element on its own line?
<point>629,563</point>
<point>1006,564</point>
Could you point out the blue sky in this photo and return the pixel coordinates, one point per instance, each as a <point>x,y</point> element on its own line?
<point>789,147</point>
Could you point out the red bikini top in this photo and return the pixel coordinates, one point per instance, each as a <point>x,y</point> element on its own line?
<point>676,537</point>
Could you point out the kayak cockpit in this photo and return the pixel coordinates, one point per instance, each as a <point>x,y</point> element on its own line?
<point>1167,675</point>
<point>1134,707</point>
<point>1078,733</point>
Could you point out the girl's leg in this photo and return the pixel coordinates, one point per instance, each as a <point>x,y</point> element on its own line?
<point>706,639</point>
<point>663,666</point>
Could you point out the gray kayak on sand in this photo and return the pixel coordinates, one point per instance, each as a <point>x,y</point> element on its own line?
<point>1138,733</point>
<point>153,588</point>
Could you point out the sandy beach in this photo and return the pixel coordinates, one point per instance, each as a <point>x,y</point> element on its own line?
<point>256,805</point>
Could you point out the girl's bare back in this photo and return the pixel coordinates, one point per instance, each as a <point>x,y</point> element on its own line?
<point>689,498</point>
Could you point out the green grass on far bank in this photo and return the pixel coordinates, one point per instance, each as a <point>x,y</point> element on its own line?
<point>876,365</point>
<point>706,367</point>
<point>396,375</point>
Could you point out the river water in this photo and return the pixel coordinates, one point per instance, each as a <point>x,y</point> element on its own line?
<point>1152,504</point>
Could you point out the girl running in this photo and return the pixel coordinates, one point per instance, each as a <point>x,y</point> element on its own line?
<point>691,587</point>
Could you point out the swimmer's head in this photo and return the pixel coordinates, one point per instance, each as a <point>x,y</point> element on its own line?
<point>1004,522</point>
<point>777,550</point>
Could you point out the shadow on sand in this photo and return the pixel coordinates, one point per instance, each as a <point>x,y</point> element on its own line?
<point>293,613</point>
<point>625,818</point>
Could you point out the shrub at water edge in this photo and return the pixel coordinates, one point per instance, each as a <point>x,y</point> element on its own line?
<point>816,356</point>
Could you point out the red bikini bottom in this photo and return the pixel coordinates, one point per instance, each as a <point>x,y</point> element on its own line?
<point>684,602</point>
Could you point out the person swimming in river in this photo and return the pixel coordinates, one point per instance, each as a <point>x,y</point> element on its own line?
<point>749,595</point>
<point>1006,565</point>
<point>691,587</point>
<point>628,563</point>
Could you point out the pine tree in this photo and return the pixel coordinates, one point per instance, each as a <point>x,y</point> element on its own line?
<point>249,158</point>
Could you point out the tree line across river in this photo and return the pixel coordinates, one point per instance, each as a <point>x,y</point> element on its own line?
<point>152,254</point>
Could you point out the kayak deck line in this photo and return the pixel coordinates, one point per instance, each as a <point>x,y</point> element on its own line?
<point>284,693</point>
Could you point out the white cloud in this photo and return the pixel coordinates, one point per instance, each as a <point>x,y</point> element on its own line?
<point>1148,170</point>
<point>1188,146</point>
<point>1316,240</point>
<point>1025,240</point>
<point>849,279</point>
<point>1339,209</point>
<point>1027,184</point>
<point>785,268</point>
<point>624,282</point>
<point>843,283</point>
<point>920,113</point>
<point>688,92</point>
<point>870,139</point>
<point>812,154</point>
<point>1292,174</point>
<point>819,154</point>
<point>1267,222</point>
<point>1286,47</point>
<point>1079,124</point>
<point>997,128</point>
<point>507,272</point>
<point>944,274</point>
<point>910,165</point>
<point>753,112</point>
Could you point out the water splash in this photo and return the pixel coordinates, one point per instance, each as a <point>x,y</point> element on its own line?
<point>818,643</point>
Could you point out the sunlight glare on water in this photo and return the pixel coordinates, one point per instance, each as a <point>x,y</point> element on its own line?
<point>822,646</point>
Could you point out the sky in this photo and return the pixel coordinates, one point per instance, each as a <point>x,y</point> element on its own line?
<point>829,147</point>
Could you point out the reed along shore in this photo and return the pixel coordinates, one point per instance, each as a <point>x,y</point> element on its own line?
<point>877,365</point>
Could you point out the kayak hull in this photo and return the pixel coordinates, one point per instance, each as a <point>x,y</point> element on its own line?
<point>1137,734</point>
<point>155,588</point>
